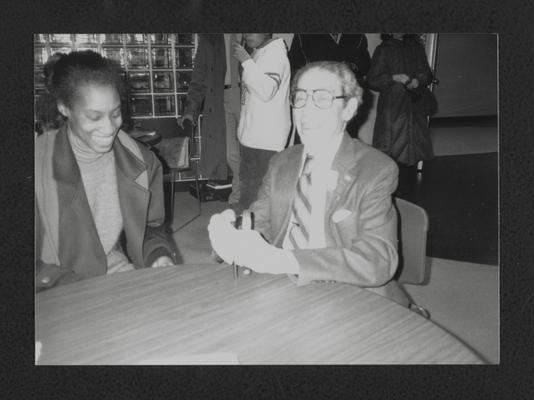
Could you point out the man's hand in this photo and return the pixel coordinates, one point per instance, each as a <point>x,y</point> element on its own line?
<point>183,118</point>
<point>260,256</point>
<point>414,84</point>
<point>163,261</point>
<point>222,234</point>
<point>401,78</point>
<point>240,54</point>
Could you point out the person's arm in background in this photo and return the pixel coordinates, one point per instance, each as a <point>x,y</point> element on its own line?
<point>423,74</point>
<point>197,86</point>
<point>263,80</point>
<point>361,60</point>
<point>379,76</point>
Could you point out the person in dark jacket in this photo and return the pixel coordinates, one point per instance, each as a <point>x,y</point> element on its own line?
<point>400,71</point>
<point>341,47</point>
<point>349,48</point>
<point>214,91</point>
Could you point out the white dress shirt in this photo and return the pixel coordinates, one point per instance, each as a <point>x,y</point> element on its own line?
<point>323,179</point>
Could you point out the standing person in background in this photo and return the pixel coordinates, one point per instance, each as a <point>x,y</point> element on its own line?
<point>342,47</point>
<point>400,72</point>
<point>98,193</point>
<point>265,122</point>
<point>214,90</point>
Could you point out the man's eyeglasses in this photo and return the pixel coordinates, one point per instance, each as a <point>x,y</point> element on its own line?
<point>322,98</point>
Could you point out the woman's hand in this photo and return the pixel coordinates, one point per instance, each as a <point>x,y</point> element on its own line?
<point>401,78</point>
<point>163,261</point>
<point>240,54</point>
<point>185,117</point>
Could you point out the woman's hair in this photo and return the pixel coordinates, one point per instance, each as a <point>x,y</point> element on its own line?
<point>349,84</point>
<point>80,68</point>
<point>64,74</point>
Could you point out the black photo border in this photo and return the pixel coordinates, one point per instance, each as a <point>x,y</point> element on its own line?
<point>511,20</point>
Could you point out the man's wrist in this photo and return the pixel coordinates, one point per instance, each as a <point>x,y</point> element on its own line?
<point>284,261</point>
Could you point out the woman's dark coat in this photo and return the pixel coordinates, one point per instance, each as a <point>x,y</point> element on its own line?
<point>401,127</point>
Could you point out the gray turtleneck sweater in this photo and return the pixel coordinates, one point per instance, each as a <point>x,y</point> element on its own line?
<point>100,182</point>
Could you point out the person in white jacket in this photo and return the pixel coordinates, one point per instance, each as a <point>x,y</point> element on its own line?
<point>264,123</point>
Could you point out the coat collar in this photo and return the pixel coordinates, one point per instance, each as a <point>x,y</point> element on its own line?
<point>66,168</point>
<point>345,161</point>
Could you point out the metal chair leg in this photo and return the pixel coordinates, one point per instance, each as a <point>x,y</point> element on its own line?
<point>199,196</point>
<point>173,178</point>
<point>420,310</point>
<point>197,185</point>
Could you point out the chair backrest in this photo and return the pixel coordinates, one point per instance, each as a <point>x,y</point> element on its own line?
<point>175,148</point>
<point>413,227</point>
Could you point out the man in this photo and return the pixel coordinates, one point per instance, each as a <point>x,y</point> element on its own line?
<point>325,207</point>
<point>214,88</point>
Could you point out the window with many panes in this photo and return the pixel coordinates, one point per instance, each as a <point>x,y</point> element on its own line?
<point>156,66</point>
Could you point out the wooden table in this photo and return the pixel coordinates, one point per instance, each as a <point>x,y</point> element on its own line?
<point>165,315</point>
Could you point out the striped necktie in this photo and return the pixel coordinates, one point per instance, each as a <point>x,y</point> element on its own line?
<point>299,234</point>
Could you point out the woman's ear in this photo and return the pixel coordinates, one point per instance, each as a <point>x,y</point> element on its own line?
<point>63,109</point>
<point>350,109</point>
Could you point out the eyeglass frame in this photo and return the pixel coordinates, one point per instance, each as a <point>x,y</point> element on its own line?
<point>313,91</point>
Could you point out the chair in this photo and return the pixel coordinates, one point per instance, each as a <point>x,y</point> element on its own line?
<point>176,156</point>
<point>413,227</point>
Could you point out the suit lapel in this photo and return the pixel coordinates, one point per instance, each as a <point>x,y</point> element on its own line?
<point>344,162</point>
<point>78,238</point>
<point>133,197</point>
<point>285,182</point>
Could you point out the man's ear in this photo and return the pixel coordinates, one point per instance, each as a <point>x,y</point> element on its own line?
<point>63,109</point>
<point>350,108</point>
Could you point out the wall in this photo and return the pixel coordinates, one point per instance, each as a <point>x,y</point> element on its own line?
<point>466,66</point>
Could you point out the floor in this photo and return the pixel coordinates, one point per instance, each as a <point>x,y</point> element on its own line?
<point>460,196</point>
<point>466,135</point>
<point>459,189</point>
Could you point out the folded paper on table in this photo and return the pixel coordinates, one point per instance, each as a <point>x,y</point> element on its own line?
<point>38,347</point>
<point>194,359</point>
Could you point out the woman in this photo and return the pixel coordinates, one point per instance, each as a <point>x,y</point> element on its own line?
<point>99,195</point>
<point>399,71</point>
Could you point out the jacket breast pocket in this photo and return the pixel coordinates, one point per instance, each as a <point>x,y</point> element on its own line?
<point>345,222</point>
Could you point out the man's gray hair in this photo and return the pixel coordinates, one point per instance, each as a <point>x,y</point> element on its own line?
<point>349,84</point>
